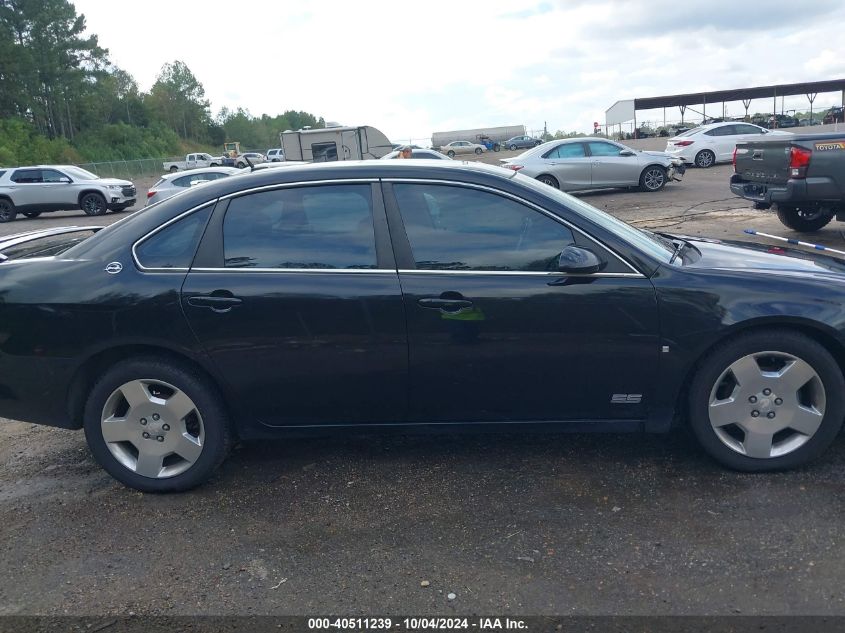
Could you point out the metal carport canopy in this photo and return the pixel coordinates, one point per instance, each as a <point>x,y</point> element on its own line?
<point>760,92</point>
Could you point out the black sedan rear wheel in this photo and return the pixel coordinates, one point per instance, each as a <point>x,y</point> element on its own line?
<point>7,210</point>
<point>767,400</point>
<point>156,425</point>
<point>653,178</point>
<point>803,220</point>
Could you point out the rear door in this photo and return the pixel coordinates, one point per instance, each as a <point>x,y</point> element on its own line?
<point>296,299</point>
<point>26,186</point>
<point>569,164</point>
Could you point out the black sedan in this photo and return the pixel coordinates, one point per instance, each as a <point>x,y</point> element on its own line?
<point>409,294</point>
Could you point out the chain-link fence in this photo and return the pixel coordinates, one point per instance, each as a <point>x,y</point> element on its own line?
<point>128,169</point>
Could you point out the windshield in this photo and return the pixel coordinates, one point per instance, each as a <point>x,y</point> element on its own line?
<point>648,242</point>
<point>78,172</point>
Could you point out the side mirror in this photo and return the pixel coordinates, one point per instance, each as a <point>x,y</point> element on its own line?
<point>574,259</point>
<point>626,152</point>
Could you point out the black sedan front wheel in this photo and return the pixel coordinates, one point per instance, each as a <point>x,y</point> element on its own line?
<point>156,426</point>
<point>767,400</point>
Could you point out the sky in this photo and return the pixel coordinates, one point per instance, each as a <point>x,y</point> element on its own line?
<point>411,68</point>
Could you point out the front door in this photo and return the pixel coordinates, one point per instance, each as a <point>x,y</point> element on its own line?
<point>299,310</point>
<point>609,169</point>
<point>496,333</point>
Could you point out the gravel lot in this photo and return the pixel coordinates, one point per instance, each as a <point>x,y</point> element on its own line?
<point>568,524</point>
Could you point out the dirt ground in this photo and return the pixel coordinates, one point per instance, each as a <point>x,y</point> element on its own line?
<point>571,524</point>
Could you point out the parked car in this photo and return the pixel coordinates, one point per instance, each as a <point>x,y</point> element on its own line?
<point>254,157</point>
<point>355,293</point>
<point>522,142</point>
<point>706,145</point>
<point>32,191</point>
<point>809,122</point>
<point>43,242</point>
<point>171,184</point>
<point>672,130</point>
<point>462,147</point>
<point>836,114</point>
<point>419,153</point>
<point>275,155</point>
<point>193,161</point>
<point>802,176</point>
<point>782,121</point>
<point>577,164</point>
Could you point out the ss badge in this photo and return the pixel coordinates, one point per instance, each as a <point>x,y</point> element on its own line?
<point>626,398</point>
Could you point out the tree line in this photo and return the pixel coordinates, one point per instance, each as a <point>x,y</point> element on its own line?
<point>63,101</point>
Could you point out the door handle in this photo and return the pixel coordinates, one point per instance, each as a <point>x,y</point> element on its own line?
<point>215,302</point>
<point>445,305</point>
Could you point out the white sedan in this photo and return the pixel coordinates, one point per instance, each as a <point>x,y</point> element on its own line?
<point>706,145</point>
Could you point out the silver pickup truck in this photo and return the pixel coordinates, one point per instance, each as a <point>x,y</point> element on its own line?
<point>32,191</point>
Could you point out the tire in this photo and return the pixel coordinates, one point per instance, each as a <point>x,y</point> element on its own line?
<point>546,179</point>
<point>173,169</point>
<point>478,150</point>
<point>450,153</point>
<point>31,214</point>
<point>207,424</point>
<point>7,210</point>
<point>653,178</point>
<point>803,220</point>
<point>512,147</point>
<point>753,353</point>
<point>705,158</point>
<point>93,204</point>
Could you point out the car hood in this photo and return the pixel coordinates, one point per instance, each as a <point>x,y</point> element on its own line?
<point>113,181</point>
<point>655,153</point>
<point>763,258</point>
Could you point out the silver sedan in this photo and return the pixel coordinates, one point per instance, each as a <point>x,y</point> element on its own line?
<point>171,184</point>
<point>596,163</point>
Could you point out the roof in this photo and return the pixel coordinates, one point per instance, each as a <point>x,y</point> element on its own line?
<point>738,94</point>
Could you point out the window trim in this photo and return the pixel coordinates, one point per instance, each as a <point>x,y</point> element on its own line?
<point>384,250</point>
<point>149,235</point>
<point>393,206</point>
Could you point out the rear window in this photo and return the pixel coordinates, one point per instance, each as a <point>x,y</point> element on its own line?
<point>694,130</point>
<point>27,175</point>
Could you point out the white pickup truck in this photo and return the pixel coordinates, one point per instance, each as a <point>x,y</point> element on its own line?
<point>192,161</point>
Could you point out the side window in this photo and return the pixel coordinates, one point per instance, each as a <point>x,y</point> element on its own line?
<point>748,129</point>
<point>175,245</point>
<point>567,150</point>
<point>27,175</point>
<point>182,181</point>
<point>51,175</point>
<point>330,226</point>
<point>455,228</point>
<point>324,152</point>
<point>597,148</point>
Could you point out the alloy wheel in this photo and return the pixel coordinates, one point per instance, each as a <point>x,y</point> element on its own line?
<point>767,404</point>
<point>654,179</point>
<point>705,159</point>
<point>152,428</point>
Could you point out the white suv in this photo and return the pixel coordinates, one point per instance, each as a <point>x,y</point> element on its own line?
<point>275,155</point>
<point>33,190</point>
